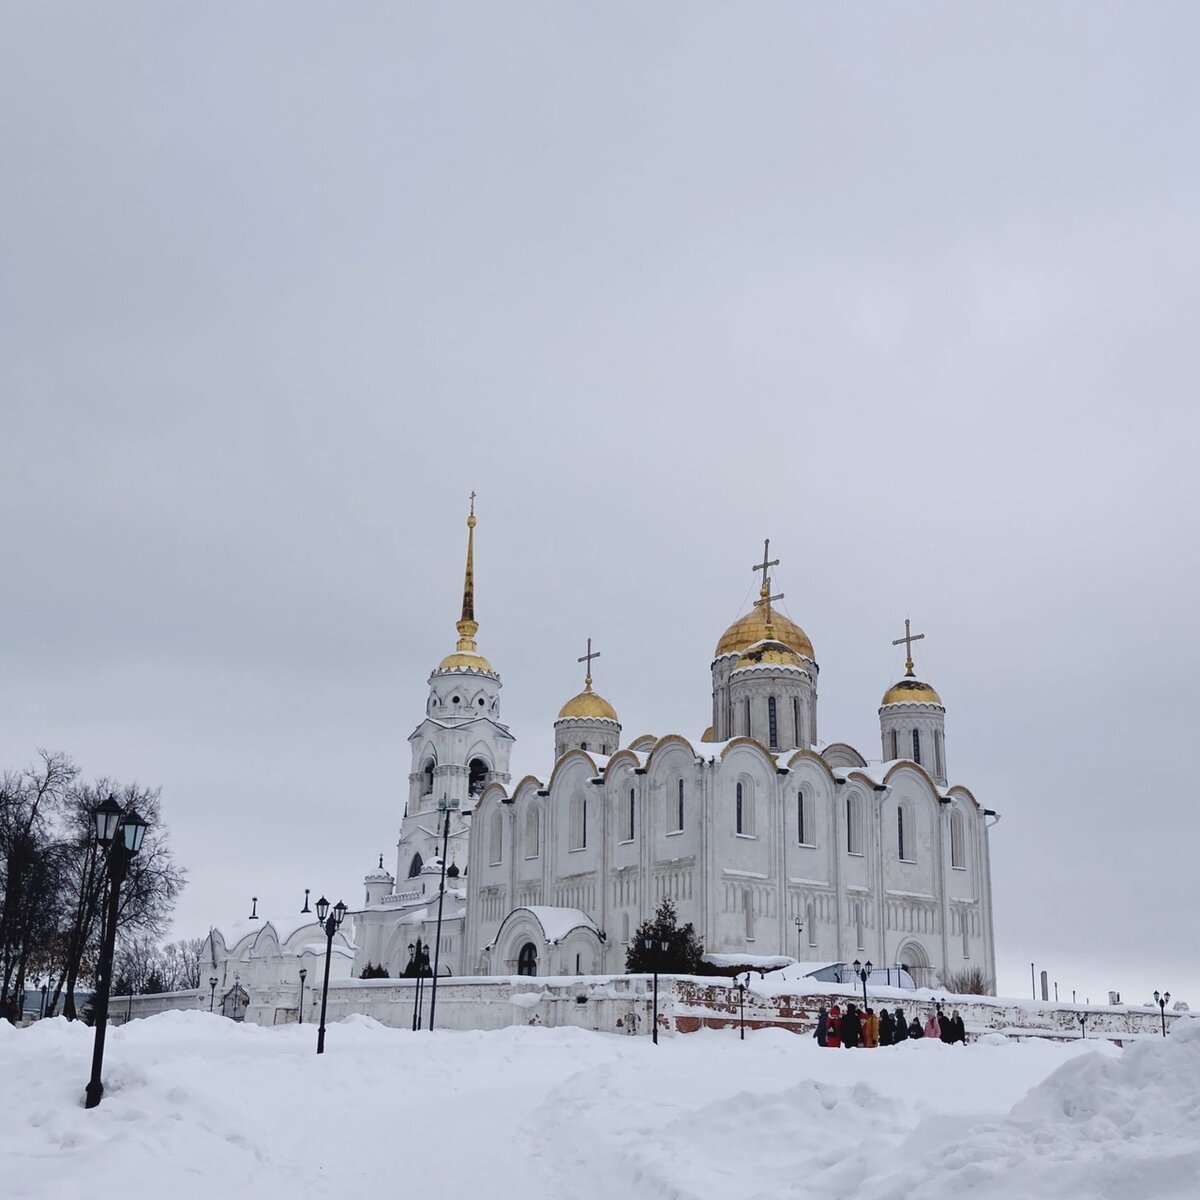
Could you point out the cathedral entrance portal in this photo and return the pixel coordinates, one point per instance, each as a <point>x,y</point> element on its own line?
<point>527,960</point>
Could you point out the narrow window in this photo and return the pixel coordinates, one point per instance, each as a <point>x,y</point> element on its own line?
<point>578,823</point>
<point>533,834</point>
<point>427,777</point>
<point>740,829</point>
<point>414,868</point>
<point>679,809</point>
<point>916,745</point>
<point>937,753</point>
<point>900,832</point>
<point>629,817</point>
<point>497,838</point>
<point>895,740</point>
<point>772,723</point>
<point>853,833</point>
<point>958,857</point>
<point>747,718</point>
<point>583,745</point>
<point>800,830</point>
<point>796,719</point>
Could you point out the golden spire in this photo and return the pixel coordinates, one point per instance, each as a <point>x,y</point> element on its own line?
<point>908,639</point>
<point>467,625</point>
<point>587,658</point>
<point>764,592</point>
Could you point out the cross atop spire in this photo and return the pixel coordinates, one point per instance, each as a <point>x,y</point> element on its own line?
<point>764,591</point>
<point>587,658</point>
<point>908,639</point>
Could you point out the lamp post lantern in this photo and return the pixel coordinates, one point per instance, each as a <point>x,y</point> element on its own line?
<point>331,921</point>
<point>212,993</point>
<point>300,1010</point>
<point>119,832</point>
<point>1161,1001</point>
<point>741,985</point>
<point>863,971</point>
<point>418,958</point>
<point>1083,1024</point>
<point>655,947</point>
<point>799,923</point>
<point>446,807</point>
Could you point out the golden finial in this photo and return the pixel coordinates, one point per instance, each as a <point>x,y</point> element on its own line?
<point>467,625</point>
<point>764,591</point>
<point>587,658</point>
<point>908,639</point>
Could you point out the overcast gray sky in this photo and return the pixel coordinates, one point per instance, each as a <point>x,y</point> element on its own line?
<point>911,289</point>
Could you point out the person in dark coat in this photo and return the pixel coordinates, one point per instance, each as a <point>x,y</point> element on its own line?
<point>914,1029</point>
<point>901,1024</point>
<point>958,1032</point>
<point>946,1029</point>
<point>887,1028</point>
<point>851,1027</point>
<point>822,1025</point>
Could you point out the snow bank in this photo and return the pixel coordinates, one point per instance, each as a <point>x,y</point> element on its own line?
<point>197,1106</point>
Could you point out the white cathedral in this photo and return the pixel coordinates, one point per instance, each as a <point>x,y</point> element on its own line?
<point>770,842</point>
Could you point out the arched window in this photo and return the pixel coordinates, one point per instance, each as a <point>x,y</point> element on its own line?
<point>748,913</point>
<point>496,838</point>
<point>675,811</point>
<point>772,723</point>
<point>630,812</point>
<point>916,745</point>
<point>533,833</point>
<point>903,835</point>
<point>803,832</point>
<point>894,739</point>
<point>937,754</point>
<point>853,825</point>
<point>414,867</point>
<point>958,849</point>
<point>427,777</point>
<point>477,779</point>
<point>744,802</point>
<point>858,924</point>
<point>583,745</point>
<point>810,923</point>
<point>747,717</point>
<point>796,720</point>
<point>578,822</point>
<point>527,960</point>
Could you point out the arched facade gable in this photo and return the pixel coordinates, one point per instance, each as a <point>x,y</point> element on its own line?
<point>572,760</point>
<point>916,769</point>
<point>493,791</point>
<point>266,941</point>
<point>621,761</point>
<point>958,792</point>
<point>803,758</point>
<point>922,793</point>
<point>644,743</point>
<point>665,744</point>
<point>529,784</point>
<point>844,751</point>
<point>743,742</point>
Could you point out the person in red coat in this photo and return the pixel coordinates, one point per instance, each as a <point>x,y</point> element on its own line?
<point>833,1027</point>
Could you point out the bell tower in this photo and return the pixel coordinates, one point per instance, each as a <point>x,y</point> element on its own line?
<point>458,748</point>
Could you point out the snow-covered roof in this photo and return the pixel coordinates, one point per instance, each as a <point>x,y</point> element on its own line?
<point>285,927</point>
<point>556,923</point>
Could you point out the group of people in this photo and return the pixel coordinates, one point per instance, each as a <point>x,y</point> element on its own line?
<point>865,1028</point>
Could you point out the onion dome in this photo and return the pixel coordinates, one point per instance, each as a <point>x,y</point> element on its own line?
<point>707,735</point>
<point>588,706</point>
<point>757,626</point>
<point>770,652</point>
<point>910,690</point>
<point>379,875</point>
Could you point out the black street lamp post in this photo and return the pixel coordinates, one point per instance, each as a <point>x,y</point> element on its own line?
<point>45,991</point>
<point>300,1010</point>
<point>418,957</point>
<point>799,930</point>
<point>212,993</point>
<point>863,971</point>
<point>331,921</point>
<point>1161,1001</point>
<point>1083,1024</point>
<point>120,835</point>
<point>655,947</point>
<point>447,807</point>
<point>741,986</point>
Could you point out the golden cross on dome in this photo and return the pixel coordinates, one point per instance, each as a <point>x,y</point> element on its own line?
<point>587,658</point>
<point>908,639</point>
<point>472,498</point>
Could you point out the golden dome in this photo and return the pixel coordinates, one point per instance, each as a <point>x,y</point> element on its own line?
<point>754,627</point>
<point>588,706</point>
<point>462,660</point>
<point>769,653</point>
<point>910,691</point>
<point>707,735</point>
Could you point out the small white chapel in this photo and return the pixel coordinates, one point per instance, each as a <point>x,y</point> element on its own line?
<point>769,840</point>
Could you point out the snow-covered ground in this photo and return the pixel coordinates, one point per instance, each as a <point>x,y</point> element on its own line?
<point>198,1107</point>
